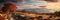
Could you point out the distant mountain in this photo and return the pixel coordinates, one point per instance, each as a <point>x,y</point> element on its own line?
<point>37,10</point>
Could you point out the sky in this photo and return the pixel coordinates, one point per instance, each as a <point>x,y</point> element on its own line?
<point>36,3</point>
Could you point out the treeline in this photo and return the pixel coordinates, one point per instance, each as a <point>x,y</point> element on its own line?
<point>57,13</point>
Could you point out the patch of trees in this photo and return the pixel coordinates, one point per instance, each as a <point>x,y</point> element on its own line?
<point>57,13</point>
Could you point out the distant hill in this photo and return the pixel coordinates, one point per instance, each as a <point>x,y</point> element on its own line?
<point>35,10</point>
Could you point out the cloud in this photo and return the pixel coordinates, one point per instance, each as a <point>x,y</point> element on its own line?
<point>53,6</point>
<point>35,4</point>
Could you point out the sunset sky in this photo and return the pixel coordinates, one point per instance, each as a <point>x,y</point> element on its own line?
<point>51,6</point>
<point>37,3</point>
